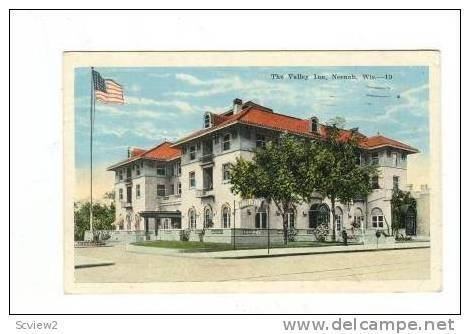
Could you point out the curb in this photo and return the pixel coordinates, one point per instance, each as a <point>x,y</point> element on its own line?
<point>317,253</point>
<point>218,255</point>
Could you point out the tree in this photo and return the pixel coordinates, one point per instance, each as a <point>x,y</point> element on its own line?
<point>109,195</point>
<point>400,198</point>
<point>330,168</point>
<point>273,175</point>
<point>103,218</point>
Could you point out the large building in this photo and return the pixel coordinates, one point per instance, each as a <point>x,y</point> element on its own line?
<point>181,190</point>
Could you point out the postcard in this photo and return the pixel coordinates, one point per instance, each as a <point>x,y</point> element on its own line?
<point>252,171</point>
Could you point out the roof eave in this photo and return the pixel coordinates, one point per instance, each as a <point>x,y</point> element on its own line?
<point>410,149</point>
<point>212,130</point>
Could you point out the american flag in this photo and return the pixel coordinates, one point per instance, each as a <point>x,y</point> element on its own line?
<point>107,90</point>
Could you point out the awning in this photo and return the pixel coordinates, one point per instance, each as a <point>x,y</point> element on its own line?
<point>160,214</point>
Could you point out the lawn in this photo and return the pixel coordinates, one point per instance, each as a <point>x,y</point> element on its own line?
<point>194,246</point>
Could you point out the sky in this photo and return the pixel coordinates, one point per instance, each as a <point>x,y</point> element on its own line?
<point>164,103</point>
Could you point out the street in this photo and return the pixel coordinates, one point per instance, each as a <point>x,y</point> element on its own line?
<point>413,264</point>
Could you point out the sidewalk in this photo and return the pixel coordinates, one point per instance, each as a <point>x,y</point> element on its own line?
<point>87,262</point>
<point>276,252</point>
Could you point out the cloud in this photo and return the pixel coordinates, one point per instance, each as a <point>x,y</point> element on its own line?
<point>134,88</point>
<point>180,105</point>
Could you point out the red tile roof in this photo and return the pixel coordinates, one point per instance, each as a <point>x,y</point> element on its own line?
<point>136,151</point>
<point>164,151</point>
<point>381,141</point>
<point>255,115</point>
<point>259,116</point>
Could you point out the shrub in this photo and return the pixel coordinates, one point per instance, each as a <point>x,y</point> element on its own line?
<point>291,234</point>
<point>321,232</point>
<point>185,235</point>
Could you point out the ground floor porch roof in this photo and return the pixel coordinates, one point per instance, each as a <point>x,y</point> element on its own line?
<point>160,214</point>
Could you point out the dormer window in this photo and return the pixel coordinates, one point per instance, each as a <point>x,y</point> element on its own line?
<point>314,125</point>
<point>207,120</point>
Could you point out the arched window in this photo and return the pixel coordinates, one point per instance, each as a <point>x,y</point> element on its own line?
<point>207,120</point>
<point>377,218</point>
<point>225,216</point>
<point>314,125</point>
<point>358,218</point>
<point>338,218</point>
<point>261,217</point>
<point>290,218</point>
<point>318,214</point>
<point>192,219</point>
<point>208,223</point>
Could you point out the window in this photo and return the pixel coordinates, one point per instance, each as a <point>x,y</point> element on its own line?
<point>177,169</point>
<point>396,182</point>
<point>261,220</point>
<point>165,223</point>
<point>314,124</point>
<point>120,175</point>
<point>192,152</point>
<point>137,170</point>
<point>128,173</point>
<point>260,141</point>
<point>375,182</point>
<point>389,152</point>
<point>375,158</point>
<point>179,188</point>
<point>394,159</point>
<point>208,223</point>
<point>261,217</point>
<point>137,190</point>
<point>403,156</point>
<point>291,218</point>
<point>226,172</point>
<point>161,190</point>
<point>226,216</point>
<point>207,120</point>
<point>319,214</point>
<point>192,219</point>
<point>172,189</point>
<point>226,142</point>
<point>192,180</point>
<point>121,195</point>
<point>338,218</point>
<point>358,159</point>
<point>358,218</point>
<point>161,170</point>
<point>377,218</point>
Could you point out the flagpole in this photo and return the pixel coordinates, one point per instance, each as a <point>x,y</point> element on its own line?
<point>92,105</point>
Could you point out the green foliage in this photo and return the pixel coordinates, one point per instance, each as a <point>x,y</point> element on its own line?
<point>400,198</point>
<point>292,170</point>
<point>185,235</point>
<point>273,174</point>
<point>321,232</point>
<point>330,168</point>
<point>103,218</point>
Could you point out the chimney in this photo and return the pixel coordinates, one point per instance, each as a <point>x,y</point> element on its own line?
<point>237,105</point>
<point>129,151</point>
